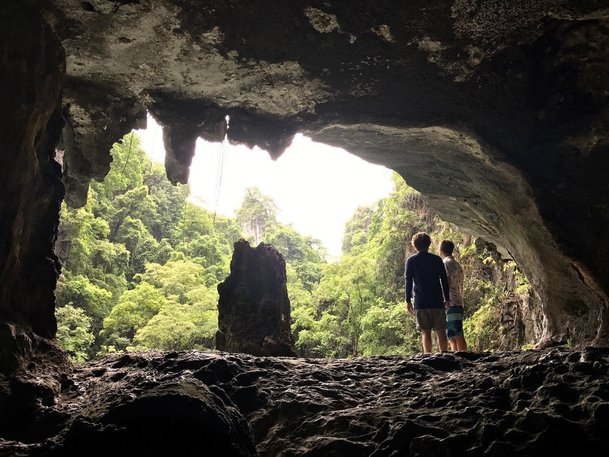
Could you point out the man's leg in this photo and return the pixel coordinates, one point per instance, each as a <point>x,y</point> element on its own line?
<point>454,328</point>
<point>453,345</point>
<point>460,343</point>
<point>442,340</point>
<point>424,325</point>
<point>439,325</point>
<point>426,340</point>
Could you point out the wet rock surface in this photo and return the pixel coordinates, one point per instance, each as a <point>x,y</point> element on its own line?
<point>547,402</point>
<point>254,308</point>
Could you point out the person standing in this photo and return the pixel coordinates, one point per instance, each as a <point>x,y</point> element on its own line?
<point>454,314</point>
<point>426,277</point>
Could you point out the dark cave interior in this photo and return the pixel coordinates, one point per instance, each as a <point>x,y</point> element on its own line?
<point>506,102</point>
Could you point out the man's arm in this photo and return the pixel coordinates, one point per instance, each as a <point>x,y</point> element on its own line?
<point>449,273</point>
<point>444,284</point>
<point>409,281</point>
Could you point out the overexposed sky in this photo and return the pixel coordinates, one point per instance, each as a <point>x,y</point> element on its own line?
<point>316,187</point>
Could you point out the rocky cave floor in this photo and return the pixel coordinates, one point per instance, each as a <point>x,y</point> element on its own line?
<point>539,402</point>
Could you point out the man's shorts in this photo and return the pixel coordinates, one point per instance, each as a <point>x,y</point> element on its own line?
<point>454,321</point>
<point>430,318</point>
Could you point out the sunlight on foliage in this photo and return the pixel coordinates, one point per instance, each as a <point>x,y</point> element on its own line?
<point>73,332</point>
<point>141,265</point>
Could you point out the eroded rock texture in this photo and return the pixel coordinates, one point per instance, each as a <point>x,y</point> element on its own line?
<point>254,308</point>
<point>31,72</point>
<point>496,111</point>
<point>519,404</point>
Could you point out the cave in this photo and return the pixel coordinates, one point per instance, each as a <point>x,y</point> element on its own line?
<point>496,111</point>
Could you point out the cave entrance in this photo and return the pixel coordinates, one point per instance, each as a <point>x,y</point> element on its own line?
<point>142,258</point>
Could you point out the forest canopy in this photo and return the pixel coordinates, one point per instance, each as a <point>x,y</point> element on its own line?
<point>141,263</point>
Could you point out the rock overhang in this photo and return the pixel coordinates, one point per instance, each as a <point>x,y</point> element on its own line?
<point>519,87</point>
<point>508,99</point>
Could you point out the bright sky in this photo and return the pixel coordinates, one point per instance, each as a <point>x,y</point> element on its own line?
<point>316,187</point>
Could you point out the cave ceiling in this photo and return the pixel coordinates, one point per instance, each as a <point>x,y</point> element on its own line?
<point>496,111</point>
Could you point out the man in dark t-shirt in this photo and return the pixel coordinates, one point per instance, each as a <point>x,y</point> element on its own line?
<point>426,276</point>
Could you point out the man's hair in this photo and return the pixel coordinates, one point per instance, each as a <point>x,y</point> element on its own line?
<point>447,247</point>
<point>421,241</point>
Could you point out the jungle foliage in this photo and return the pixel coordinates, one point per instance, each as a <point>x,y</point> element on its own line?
<point>141,264</point>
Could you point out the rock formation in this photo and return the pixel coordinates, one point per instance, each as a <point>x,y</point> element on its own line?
<point>127,413</point>
<point>254,308</point>
<point>495,111</point>
<point>32,64</point>
<point>551,402</point>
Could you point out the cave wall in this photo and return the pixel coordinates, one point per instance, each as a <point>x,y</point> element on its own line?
<point>496,111</point>
<point>32,65</point>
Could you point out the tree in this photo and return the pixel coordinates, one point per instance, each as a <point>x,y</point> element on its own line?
<point>304,254</point>
<point>129,161</point>
<point>140,261</point>
<point>175,279</point>
<point>194,223</point>
<point>343,296</point>
<point>387,329</point>
<point>133,204</point>
<point>356,229</point>
<point>257,214</point>
<point>168,199</point>
<point>142,246</point>
<point>79,292</point>
<point>74,332</point>
<point>133,311</point>
<point>191,325</point>
<point>170,309</point>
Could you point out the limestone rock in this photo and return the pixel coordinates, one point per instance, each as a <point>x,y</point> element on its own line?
<point>189,403</point>
<point>494,110</point>
<point>32,372</point>
<point>93,124</point>
<point>254,308</point>
<point>161,418</point>
<point>32,65</point>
